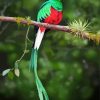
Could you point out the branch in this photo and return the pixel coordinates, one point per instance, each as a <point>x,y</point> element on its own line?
<point>4,9</point>
<point>26,21</point>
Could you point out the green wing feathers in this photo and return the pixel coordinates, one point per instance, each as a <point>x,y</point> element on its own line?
<point>44,12</point>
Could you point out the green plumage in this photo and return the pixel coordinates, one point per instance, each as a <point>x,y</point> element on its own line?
<point>33,66</point>
<point>43,13</point>
<point>45,8</point>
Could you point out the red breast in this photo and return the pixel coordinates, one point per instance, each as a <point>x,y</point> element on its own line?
<point>55,17</point>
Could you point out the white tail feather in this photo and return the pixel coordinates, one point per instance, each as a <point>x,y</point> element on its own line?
<point>38,39</point>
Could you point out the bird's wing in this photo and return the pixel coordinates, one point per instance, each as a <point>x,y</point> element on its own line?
<point>44,12</point>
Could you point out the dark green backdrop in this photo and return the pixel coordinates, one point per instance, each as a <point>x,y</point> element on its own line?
<point>69,67</point>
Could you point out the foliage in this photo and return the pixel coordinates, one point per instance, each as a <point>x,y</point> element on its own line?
<point>69,67</point>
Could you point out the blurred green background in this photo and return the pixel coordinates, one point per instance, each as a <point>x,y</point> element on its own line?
<point>69,67</point>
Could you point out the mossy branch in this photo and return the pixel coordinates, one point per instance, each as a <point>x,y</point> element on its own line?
<point>73,28</point>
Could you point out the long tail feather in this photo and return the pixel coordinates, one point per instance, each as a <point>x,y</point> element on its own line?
<point>33,65</point>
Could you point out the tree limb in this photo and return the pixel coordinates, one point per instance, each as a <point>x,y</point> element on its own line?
<point>68,29</point>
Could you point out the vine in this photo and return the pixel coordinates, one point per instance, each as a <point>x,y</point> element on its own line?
<point>16,66</point>
<point>24,52</point>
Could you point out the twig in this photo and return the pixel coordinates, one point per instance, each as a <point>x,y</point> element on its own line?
<point>25,48</point>
<point>4,9</point>
<point>4,28</point>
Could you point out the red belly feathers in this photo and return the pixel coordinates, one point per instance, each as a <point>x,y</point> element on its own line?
<point>55,17</point>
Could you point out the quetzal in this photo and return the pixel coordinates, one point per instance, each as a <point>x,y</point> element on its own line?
<point>50,12</point>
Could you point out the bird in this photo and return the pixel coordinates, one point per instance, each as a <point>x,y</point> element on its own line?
<point>50,12</point>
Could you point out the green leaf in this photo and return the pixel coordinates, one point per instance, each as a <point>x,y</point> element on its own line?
<point>10,75</point>
<point>5,72</point>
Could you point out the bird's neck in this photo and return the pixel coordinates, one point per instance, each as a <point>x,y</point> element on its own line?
<point>57,4</point>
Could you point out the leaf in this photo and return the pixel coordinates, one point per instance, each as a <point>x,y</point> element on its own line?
<point>10,75</point>
<point>17,72</point>
<point>5,72</point>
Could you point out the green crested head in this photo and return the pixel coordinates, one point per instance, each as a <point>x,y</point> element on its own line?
<point>57,4</point>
